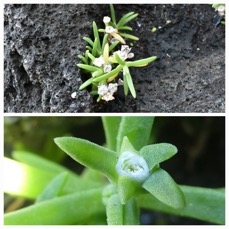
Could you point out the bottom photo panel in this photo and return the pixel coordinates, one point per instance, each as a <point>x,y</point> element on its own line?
<point>114,170</point>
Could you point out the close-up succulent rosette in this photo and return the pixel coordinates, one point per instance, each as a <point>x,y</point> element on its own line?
<point>116,181</point>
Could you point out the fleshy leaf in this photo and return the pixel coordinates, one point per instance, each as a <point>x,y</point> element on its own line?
<point>39,162</point>
<point>111,125</point>
<point>141,62</point>
<point>54,188</point>
<point>137,129</point>
<point>121,214</point>
<point>131,213</point>
<point>114,210</point>
<point>157,153</point>
<point>201,203</point>
<point>161,185</point>
<point>90,155</point>
<point>126,188</point>
<point>71,209</point>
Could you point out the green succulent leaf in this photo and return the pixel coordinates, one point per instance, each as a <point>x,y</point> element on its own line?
<point>131,213</point>
<point>137,129</point>
<point>53,189</point>
<point>39,162</point>
<point>90,155</point>
<point>114,211</point>
<point>125,85</point>
<point>111,126</point>
<point>141,62</point>
<point>105,38</point>
<point>84,59</point>
<point>112,10</point>
<point>162,186</point>
<point>91,56</point>
<point>119,214</point>
<point>89,41</point>
<point>96,35</point>
<point>95,47</point>
<point>80,207</point>
<point>88,67</point>
<point>109,74</point>
<point>126,18</point>
<point>86,83</point>
<point>97,73</point>
<point>125,28</point>
<point>130,36</point>
<point>119,60</point>
<point>217,5</point>
<point>157,153</point>
<point>89,48</point>
<point>130,84</point>
<point>127,188</point>
<point>201,203</point>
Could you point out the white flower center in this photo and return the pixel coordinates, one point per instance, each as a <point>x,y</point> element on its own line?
<point>133,166</point>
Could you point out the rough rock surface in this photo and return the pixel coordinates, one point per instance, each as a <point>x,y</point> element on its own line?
<point>42,43</point>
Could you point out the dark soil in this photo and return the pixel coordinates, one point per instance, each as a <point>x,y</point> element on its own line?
<point>42,43</point>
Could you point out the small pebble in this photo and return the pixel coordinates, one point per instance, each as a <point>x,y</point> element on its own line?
<point>73,95</point>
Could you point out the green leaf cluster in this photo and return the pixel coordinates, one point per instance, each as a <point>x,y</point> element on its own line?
<point>112,62</point>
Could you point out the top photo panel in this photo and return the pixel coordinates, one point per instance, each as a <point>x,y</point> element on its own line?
<point>87,58</point>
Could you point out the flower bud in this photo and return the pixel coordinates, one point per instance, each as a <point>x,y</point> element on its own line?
<point>133,166</point>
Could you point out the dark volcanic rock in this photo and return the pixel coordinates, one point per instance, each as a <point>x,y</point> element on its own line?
<point>42,43</point>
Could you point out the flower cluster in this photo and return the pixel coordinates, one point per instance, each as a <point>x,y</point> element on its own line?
<point>104,60</point>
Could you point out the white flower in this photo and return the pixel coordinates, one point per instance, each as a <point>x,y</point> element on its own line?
<point>130,55</point>
<point>221,10</point>
<point>99,61</point>
<point>107,91</point>
<point>107,68</point>
<point>124,53</point>
<point>102,90</point>
<point>106,19</point>
<point>110,29</point>
<point>133,166</point>
<point>112,87</point>
<point>125,48</point>
<point>108,97</point>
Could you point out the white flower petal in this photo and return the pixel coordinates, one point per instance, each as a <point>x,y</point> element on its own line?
<point>112,87</point>
<point>130,55</point>
<point>99,61</point>
<point>133,166</point>
<point>102,90</point>
<point>107,68</point>
<point>110,29</point>
<point>108,97</point>
<point>125,48</point>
